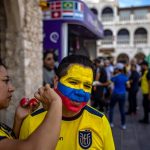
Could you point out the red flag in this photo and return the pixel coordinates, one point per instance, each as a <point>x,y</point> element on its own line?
<point>56,14</point>
<point>55,5</point>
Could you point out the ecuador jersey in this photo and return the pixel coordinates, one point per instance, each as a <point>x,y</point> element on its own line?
<point>5,132</point>
<point>144,83</point>
<point>87,130</point>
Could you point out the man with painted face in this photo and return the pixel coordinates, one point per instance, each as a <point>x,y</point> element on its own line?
<point>82,127</point>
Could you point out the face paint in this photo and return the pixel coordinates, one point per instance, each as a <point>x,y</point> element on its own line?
<point>74,94</point>
<point>76,86</point>
<point>69,104</point>
<point>78,77</point>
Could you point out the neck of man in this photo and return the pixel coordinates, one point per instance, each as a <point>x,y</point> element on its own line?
<point>67,113</point>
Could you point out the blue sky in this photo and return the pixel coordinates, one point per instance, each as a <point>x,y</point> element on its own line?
<point>126,3</point>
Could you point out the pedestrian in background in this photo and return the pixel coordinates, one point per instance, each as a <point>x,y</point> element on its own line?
<point>49,69</point>
<point>133,89</point>
<point>118,95</point>
<point>145,86</point>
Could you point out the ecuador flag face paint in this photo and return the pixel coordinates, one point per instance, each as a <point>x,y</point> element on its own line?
<point>78,77</point>
<point>76,86</point>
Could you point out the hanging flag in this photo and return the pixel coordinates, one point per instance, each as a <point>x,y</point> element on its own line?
<point>55,5</point>
<point>79,6</point>
<point>46,15</point>
<point>79,15</point>
<point>56,14</point>
<point>68,5</point>
<point>67,13</point>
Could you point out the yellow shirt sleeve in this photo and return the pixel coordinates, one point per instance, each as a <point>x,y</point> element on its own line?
<point>25,129</point>
<point>108,138</point>
<point>31,123</point>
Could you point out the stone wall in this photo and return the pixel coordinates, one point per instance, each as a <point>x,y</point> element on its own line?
<point>23,50</point>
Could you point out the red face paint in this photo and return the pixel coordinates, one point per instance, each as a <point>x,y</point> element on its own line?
<point>70,105</point>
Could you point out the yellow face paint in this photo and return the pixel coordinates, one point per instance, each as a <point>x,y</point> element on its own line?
<point>78,77</point>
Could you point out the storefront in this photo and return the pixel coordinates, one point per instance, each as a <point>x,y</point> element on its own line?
<point>69,26</point>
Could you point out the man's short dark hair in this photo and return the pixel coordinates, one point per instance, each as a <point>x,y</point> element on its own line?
<point>73,59</point>
<point>46,53</point>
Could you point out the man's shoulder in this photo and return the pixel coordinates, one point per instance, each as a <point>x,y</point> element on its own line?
<point>39,112</point>
<point>92,111</point>
<point>36,115</point>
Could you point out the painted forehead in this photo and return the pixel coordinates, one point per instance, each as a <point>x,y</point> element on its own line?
<point>80,71</point>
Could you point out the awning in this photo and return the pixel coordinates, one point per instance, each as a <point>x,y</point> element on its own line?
<point>74,12</point>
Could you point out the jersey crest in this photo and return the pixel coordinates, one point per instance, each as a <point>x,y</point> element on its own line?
<point>85,139</point>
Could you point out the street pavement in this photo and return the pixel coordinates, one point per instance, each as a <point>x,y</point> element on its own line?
<point>136,136</point>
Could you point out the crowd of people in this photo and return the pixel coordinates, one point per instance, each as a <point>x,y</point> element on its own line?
<point>66,120</point>
<point>116,83</point>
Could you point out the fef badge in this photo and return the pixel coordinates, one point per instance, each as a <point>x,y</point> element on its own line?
<point>85,139</point>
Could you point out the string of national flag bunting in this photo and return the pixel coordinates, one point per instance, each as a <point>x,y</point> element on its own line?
<point>64,10</point>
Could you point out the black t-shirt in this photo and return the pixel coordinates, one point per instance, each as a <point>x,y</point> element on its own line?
<point>135,80</point>
<point>103,75</point>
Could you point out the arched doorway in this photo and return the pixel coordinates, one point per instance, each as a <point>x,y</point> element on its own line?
<point>124,58</point>
<point>140,36</point>
<point>123,36</point>
<point>107,14</point>
<point>108,37</point>
<point>139,57</point>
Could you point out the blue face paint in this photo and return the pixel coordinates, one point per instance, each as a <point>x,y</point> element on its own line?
<point>74,94</point>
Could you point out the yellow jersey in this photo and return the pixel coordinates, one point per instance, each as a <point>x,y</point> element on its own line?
<point>5,132</point>
<point>144,83</point>
<point>89,129</point>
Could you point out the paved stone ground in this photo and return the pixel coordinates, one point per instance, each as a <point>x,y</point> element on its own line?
<point>136,136</point>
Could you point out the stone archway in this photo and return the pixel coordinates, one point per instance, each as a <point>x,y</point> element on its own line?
<point>21,48</point>
<point>124,58</point>
<point>139,57</point>
<point>141,36</point>
<point>123,36</point>
<point>107,14</point>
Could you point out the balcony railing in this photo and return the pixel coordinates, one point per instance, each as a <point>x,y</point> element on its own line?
<point>108,40</point>
<point>124,18</point>
<point>140,17</point>
<point>140,41</point>
<point>123,40</point>
<point>107,18</point>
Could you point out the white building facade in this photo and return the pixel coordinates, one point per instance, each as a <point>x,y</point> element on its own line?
<point>126,30</point>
